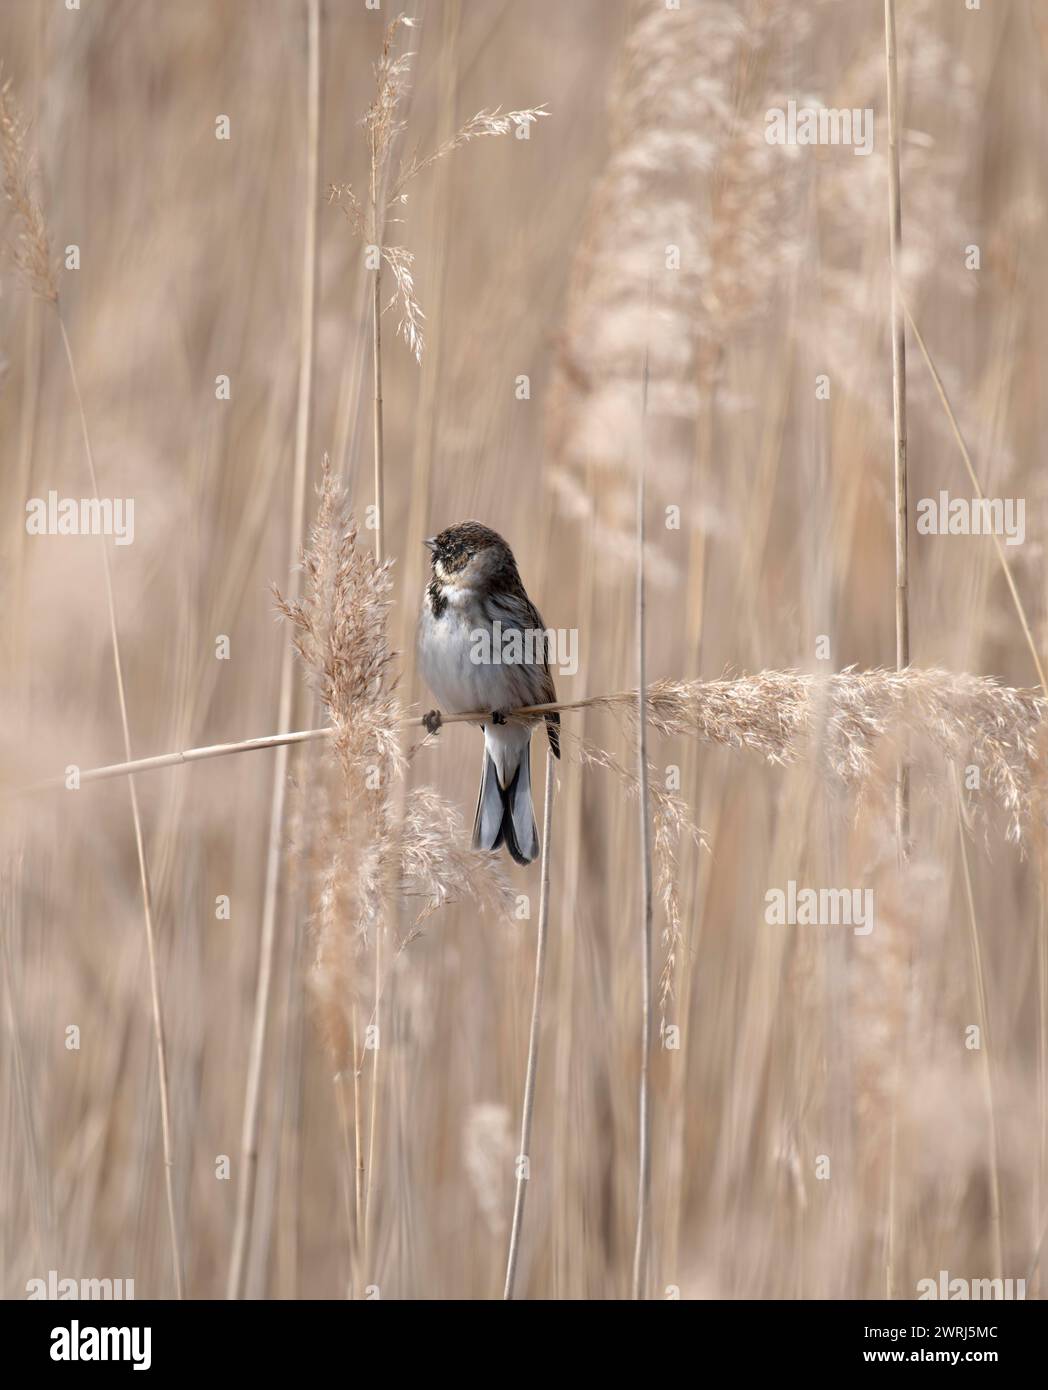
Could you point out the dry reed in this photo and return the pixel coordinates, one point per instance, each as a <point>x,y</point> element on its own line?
<point>340,633</point>
<point>523,1160</point>
<point>285,704</point>
<point>36,267</point>
<point>899,477</point>
<point>640,1242</point>
<point>792,1044</point>
<point>784,716</point>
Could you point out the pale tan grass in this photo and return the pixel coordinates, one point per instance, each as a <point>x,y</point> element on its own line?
<point>782,716</point>
<point>524,1155</point>
<point>35,265</point>
<point>898,337</point>
<point>276,848</point>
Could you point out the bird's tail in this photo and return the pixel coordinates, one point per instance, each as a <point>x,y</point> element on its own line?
<point>505,814</point>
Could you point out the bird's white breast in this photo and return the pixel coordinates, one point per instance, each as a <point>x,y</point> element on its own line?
<point>447,647</point>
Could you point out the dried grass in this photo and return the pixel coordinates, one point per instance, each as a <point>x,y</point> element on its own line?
<point>842,719</point>
<point>388,193</point>
<point>340,631</point>
<point>31,254</point>
<point>792,1045</point>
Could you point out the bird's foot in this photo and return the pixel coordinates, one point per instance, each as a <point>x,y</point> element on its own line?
<point>498,716</point>
<point>432,721</point>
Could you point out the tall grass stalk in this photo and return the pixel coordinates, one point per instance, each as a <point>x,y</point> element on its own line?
<point>902,602</point>
<point>377,438</point>
<point>528,1107</point>
<point>785,716</point>
<point>275,846</point>
<point>1041,1206</point>
<point>898,330</point>
<point>143,869</point>
<point>640,1246</point>
<point>379,140</point>
<point>1009,579</point>
<point>35,264</point>
<point>979,975</point>
<point>10,875</point>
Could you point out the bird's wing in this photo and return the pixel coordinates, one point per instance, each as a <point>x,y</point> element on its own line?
<point>514,609</point>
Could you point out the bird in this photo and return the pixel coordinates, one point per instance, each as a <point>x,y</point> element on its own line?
<point>482,647</point>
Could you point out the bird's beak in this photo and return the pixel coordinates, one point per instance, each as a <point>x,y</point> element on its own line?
<point>431,544</point>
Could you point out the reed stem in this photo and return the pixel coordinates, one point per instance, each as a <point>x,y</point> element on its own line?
<point>898,329</point>
<point>523,1157</point>
<point>275,846</point>
<point>640,1248</point>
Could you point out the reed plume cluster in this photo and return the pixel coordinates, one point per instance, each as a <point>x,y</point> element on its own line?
<point>31,253</point>
<point>688,230</point>
<point>555,259</point>
<point>842,720</point>
<point>388,190</point>
<point>364,850</point>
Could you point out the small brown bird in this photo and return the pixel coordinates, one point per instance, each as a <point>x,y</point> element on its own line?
<point>482,646</point>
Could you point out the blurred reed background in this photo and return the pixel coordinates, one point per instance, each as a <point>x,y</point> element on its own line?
<point>543,258</point>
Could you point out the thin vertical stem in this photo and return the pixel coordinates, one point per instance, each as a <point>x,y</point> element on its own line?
<point>966,457</point>
<point>274,852</point>
<point>363,1190</point>
<point>640,1248</point>
<point>143,871</point>
<point>376,356</point>
<point>523,1158</point>
<point>373,1117</point>
<point>1034,1279</point>
<point>379,448</point>
<point>40,1200</point>
<point>902,603</point>
<point>984,1038</point>
<point>358,1144</point>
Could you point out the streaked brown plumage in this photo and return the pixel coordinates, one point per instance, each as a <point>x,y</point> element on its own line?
<point>475,585</point>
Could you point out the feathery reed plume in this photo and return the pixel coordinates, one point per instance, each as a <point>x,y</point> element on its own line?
<point>843,320</point>
<point>340,631</point>
<point>691,188</point>
<point>31,253</point>
<point>340,635</point>
<point>784,715</point>
<point>368,846</point>
<point>383,125</point>
<point>969,719</point>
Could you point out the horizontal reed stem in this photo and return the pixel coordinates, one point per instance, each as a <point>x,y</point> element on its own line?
<point>251,745</point>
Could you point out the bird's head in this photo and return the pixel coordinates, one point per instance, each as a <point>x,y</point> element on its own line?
<point>468,555</point>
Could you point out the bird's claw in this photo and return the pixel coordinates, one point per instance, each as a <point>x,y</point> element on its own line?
<point>498,716</point>
<point>432,721</point>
